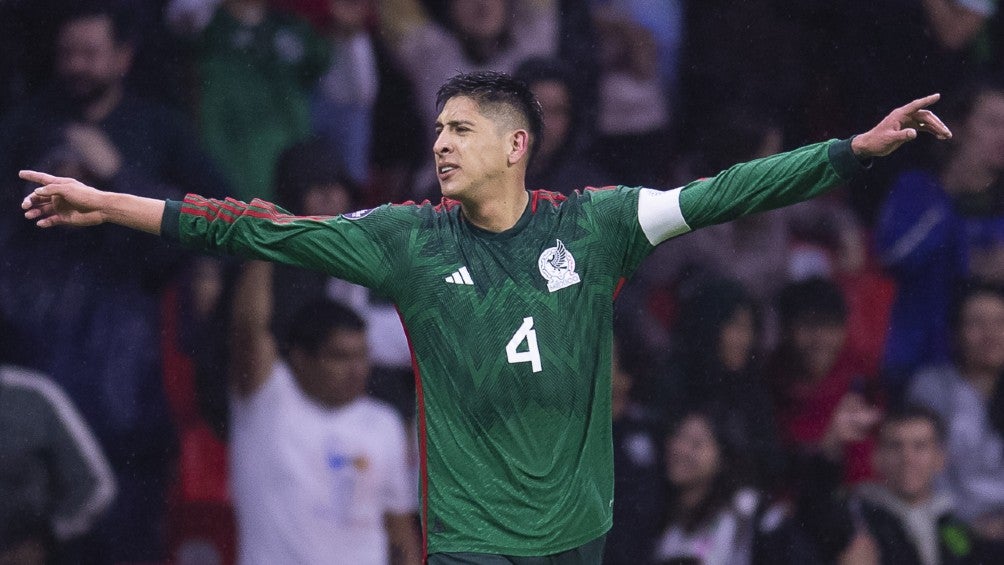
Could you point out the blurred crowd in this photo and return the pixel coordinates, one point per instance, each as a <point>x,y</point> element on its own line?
<point>818,384</point>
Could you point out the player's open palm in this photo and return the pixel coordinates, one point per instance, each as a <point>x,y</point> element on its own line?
<point>901,125</point>
<point>61,201</point>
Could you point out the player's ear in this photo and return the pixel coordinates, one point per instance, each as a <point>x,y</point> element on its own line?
<point>519,145</point>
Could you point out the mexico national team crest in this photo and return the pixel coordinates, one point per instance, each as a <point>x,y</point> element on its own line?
<point>557,266</point>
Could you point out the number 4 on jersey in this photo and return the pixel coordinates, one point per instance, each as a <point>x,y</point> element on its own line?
<point>532,354</point>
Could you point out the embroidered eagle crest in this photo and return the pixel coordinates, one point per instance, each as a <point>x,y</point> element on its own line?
<point>557,266</point>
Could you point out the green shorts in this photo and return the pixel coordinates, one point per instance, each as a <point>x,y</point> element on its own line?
<point>590,553</point>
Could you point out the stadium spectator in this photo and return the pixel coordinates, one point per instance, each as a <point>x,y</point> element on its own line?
<point>906,516</point>
<point>634,110</point>
<point>94,326</point>
<point>910,519</point>
<point>361,95</point>
<point>968,394</point>
<point>638,473</point>
<point>256,71</point>
<point>310,181</point>
<point>822,397</point>
<point>561,163</point>
<point>940,227</point>
<point>55,482</point>
<point>762,252</point>
<point>319,472</point>
<point>663,20</point>
<point>928,45</point>
<point>715,358</point>
<point>713,516</point>
<point>932,38</point>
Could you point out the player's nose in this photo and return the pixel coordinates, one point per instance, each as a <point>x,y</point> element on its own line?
<point>442,145</point>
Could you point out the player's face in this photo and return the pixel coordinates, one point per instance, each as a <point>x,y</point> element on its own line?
<point>337,373</point>
<point>981,333</point>
<point>909,457</point>
<point>471,150</point>
<point>88,60</point>
<point>692,454</point>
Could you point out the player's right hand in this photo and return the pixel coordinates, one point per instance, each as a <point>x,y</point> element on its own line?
<point>61,201</point>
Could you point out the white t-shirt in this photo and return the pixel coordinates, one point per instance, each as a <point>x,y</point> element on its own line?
<point>312,484</point>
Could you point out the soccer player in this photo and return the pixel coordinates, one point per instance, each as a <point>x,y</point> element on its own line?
<point>507,297</point>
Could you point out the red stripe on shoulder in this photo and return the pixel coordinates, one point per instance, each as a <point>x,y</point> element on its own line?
<point>445,204</point>
<point>598,188</point>
<point>538,196</point>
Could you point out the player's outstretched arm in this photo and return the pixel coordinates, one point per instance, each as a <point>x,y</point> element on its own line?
<point>782,179</point>
<point>69,202</point>
<point>900,126</point>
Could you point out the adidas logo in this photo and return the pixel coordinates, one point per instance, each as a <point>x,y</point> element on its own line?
<point>460,277</point>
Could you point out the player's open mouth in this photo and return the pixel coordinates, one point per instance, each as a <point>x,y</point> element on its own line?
<point>445,170</point>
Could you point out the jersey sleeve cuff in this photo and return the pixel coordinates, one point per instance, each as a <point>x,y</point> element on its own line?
<point>170,221</point>
<point>844,161</point>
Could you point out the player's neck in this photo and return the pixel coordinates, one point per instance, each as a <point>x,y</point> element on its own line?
<point>498,213</point>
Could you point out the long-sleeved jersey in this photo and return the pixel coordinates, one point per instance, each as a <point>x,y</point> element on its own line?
<point>510,332</point>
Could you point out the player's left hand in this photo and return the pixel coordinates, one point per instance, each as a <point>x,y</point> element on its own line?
<point>899,127</point>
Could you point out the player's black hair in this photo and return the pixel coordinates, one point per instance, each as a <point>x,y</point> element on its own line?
<point>815,301</point>
<point>316,320</point>
<point>122,29</point>
<point>492,90</point>
<point>307,164</point>
<point>913,412</point>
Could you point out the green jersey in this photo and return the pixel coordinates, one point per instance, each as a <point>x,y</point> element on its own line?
<point>510,332</point>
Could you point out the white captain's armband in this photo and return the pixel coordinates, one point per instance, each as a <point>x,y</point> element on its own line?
<point>659,214</point>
